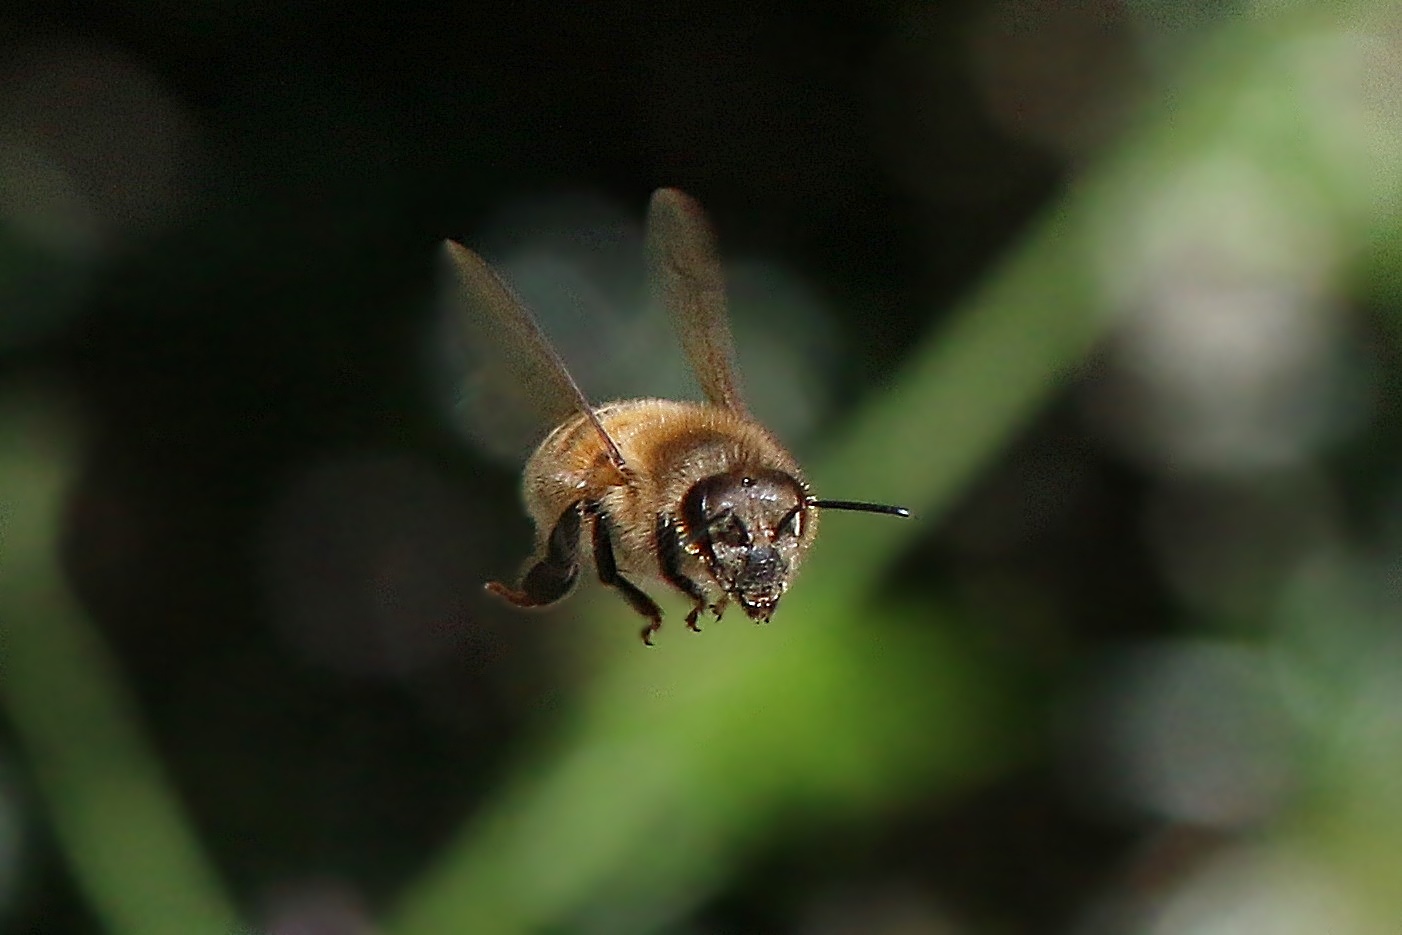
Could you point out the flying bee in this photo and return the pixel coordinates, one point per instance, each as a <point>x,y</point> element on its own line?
<point>698,495</point>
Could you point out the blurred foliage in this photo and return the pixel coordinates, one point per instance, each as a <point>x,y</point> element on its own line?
<point>1218,282</point>
<point>117,818</point>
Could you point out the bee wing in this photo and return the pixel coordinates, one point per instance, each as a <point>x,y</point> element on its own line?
<point>512,356</point>
<point>686,274</point>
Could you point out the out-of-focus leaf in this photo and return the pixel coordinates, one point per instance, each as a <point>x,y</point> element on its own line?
<point>130,846</point>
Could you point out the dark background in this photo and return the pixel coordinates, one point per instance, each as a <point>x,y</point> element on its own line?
<point>241,309</point>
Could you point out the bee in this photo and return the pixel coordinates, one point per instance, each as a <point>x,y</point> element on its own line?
<point>698,495</point>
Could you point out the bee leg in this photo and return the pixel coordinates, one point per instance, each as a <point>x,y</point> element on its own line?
<point>550,578</point>
<point>692,617</point>
<point>669,555</point>
<point>608,575</point>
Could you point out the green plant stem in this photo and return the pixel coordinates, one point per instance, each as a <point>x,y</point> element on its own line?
<point>129,845</point>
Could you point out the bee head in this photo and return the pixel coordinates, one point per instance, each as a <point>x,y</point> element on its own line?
<point>750,528</point>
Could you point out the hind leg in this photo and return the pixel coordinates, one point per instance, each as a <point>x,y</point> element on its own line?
<point>552,576</point>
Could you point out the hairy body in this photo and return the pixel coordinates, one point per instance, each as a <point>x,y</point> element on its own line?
<point>667,445</point>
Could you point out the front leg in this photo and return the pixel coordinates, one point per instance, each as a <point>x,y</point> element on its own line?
<point>608,573</point>
<point>669,557</point>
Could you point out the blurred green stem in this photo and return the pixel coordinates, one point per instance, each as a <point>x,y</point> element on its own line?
<point>131,849</point>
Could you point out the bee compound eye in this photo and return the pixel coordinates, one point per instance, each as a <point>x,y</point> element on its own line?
<point>792,523</point>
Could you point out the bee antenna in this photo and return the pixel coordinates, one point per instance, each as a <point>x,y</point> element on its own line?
<point>858,506</point>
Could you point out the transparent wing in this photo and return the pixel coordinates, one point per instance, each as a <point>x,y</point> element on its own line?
<point>515,380</point>
<point>686,275</point>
